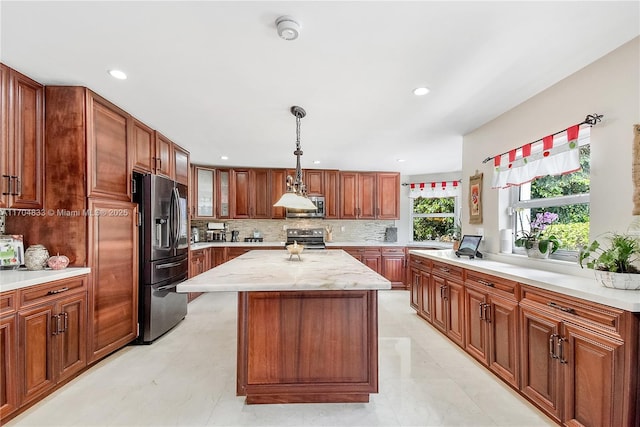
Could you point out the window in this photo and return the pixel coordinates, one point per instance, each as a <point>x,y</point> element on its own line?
<point>434,219</point>
<point>567,196</point>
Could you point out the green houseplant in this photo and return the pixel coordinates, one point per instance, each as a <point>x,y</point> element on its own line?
<point>536,243</point>
<point>614,265</point>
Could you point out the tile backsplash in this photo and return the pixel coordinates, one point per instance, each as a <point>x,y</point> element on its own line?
<point>275,230</point>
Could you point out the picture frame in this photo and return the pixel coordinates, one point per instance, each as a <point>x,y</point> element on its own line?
<point>475,199</point>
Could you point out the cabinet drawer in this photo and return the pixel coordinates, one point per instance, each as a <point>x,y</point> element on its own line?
<point>8,302</point>
<point>52,290</point>
<point>495,284</point>
<point>420,262</point>
<point>392,251</point>
<point>585,313</point>
<point>447,270</point>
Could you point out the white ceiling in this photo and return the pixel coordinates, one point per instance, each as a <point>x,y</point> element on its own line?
<point>215,77</point>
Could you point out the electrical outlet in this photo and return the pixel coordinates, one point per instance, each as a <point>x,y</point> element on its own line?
<point>342,228</point>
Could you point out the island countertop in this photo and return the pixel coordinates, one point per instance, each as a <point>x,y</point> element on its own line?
<point>269,270</point>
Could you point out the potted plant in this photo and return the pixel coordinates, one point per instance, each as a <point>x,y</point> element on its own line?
<point>614,266</point>
<point>456,234</point>
<point>536,243</point>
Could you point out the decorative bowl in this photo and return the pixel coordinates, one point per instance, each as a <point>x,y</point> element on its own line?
<point>295,249</point>
<point>58,262</point>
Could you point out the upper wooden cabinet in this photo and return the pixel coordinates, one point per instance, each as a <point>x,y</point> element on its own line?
<point>180,164</point>
<point>388,195</point>
<point>153,152</point>
<point>22,141</point>
<point>143,147</point>
<point>331,194</point>
<point>314,180</point>
<point>163,158</point>
<point>107,149</point>
<point>278,178</point>
<point>223,194</point>
<point>203,192</point>
<point>358,195</point>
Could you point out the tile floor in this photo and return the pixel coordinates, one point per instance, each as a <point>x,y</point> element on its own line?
<point>187,378</point>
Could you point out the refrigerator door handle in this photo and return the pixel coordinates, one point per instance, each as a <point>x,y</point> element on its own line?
<point>178,217</point>
<point>172,220</point>
<point>168,265</point>
<point>164,288</point>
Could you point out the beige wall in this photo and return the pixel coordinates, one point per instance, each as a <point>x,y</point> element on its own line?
<point>609,86</point>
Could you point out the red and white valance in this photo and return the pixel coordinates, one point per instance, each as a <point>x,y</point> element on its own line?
<point>434,189</point>
<point>555,154</point>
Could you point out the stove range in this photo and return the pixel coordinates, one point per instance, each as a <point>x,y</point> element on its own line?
<point>310,238</point>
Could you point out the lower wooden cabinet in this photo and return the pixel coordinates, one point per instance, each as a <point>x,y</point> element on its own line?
<point>448,306</point>
<point>393,266</point>
<point>8,354</point>
<point>198,264</point>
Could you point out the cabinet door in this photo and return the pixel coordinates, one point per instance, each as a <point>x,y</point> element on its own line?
<point>113,294</point>
<point>4,136</point>
<point>593,378</point>
<point>455,307</point>
<point>372,261</point>
<point>348,195</point>
<point>143,147</point>
<point>502,319</point>
<point>8,365</point>
<point>26,137</point>
<point>203,190</point>
<point>223,209</point>
<point>278,179</point>
<point>477,342</point>
<point>415,288</point>
<point>164,150</point>
<point>217,257</point>
<point>108,128</point>
<point>426,296</point>
<point>367,195</point>
<point>439,313</point>
<point>388,195</point>
<point>393,270</point>
<point>180,164</point>
<point>260,193</point>
<point>314,180</point>
<point>331,194</point>
<point>197,265</point>
<point>35,351</point>
<point>540,370</point>
<point>72,343</point>
<point>240,194</point>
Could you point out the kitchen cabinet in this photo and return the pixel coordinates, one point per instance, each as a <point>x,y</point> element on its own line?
<point>8,354</point>
<point>314,180</point>
<point>388,195</point>
<point>260,188</point>
<point>421,287</point>
<point>331,194</point>
<point>162,160</point>
<point>22,147</point>
<point>358,195</point>
<point>448,301</point>
<point>181,164</point>
<point>113,257</point>
<point>198,264</point>
<point>278,178</point>
<point>143,148</point>
<point>573,359</point>
<point>203,192</point>
<point>240,193</point>
<point>223,194</point>
<point>491,322</point>
<point>52,322</point>
<point>393,266</point>
<point>218,256</point>
<point>369,256</point>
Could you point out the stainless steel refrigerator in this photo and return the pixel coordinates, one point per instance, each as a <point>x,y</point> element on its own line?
<point>164,247</point>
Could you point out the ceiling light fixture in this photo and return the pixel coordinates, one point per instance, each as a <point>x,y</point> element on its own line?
<point>117,74</point>
<point>288,29</point>
<point>296,195</point>
<point>224,157</point>
<point>419,91</point>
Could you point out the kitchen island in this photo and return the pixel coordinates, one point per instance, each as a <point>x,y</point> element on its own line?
<point>307,329</point>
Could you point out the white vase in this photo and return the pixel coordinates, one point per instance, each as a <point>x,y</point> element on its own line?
<point>35,257</point>
<point>534,252</point>
<point>629,281</point>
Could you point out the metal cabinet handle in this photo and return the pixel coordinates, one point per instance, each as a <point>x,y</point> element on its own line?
<point>8,192</point>
<point>561,308</point>
<point>57,291</point>
<point>487,315</point>
<point>481,307</point>
<point>561,350</point>
<point>485,283</point>
<point>552,353</point>
<point>18,186</point>
<point>55,327</point>
<point>66,321</point>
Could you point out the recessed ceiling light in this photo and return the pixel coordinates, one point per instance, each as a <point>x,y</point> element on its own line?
<point>316,162</point>
<point>224,158</point>
<point>400,160</point>
<point>419,91</point>
<point>117,74</point>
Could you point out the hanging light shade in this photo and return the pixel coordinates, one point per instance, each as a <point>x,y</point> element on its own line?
<point>296,195</point>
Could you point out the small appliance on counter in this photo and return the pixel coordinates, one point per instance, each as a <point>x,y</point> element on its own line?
<point>234,235</point>
<point>195,234</point>
<point>216,232</point>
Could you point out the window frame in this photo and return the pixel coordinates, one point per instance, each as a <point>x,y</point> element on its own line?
<point>455,215</point>
<point>515,203</point>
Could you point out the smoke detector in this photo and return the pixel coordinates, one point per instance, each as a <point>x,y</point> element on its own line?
<point>288,28</point>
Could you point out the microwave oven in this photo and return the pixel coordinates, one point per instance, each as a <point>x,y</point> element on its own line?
<point>318,201</point>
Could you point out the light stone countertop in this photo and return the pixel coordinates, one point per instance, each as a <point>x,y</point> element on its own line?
<point>269,270</point>
<point>329,245</point>
<point>17,279</point>
<point>576,286</point>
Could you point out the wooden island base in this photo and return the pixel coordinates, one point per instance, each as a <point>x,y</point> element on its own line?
<point>307,346</point>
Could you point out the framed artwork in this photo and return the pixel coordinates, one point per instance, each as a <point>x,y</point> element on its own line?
<point>475,199</point>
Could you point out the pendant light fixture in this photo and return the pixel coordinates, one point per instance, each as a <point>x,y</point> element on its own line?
<point>296,195</point>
